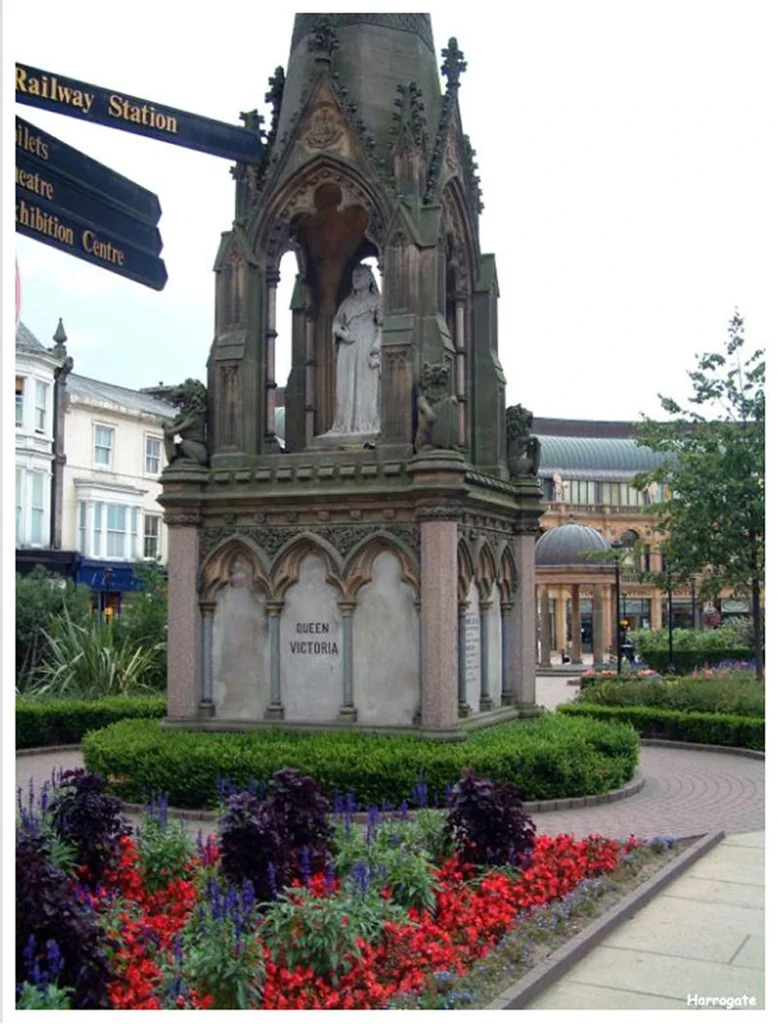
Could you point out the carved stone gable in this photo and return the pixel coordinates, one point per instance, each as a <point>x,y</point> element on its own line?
<point>324,128</point>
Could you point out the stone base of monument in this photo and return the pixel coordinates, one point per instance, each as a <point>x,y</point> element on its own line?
<point>344,442</point>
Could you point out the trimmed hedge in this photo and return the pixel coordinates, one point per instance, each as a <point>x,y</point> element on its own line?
<point>687,661</point>
<point>740,694</point>
<point>44,723</point>
<point>548,757</point>
<point>724,730</point>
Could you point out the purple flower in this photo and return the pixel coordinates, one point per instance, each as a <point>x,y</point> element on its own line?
<point>305,865</point>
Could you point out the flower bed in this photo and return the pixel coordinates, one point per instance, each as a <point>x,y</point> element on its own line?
<point>282,911</point>
<point>548,757</point>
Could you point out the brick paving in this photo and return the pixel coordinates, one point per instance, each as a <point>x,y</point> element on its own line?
<point>687,792</point>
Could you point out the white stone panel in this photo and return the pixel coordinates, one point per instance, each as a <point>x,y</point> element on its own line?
<point>241,653</point>
<point>473,650</point>
<point>386,647</point>
<point>311,647</point>
<point>494,632</point>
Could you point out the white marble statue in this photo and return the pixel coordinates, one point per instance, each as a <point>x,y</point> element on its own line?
<point>356,334</point>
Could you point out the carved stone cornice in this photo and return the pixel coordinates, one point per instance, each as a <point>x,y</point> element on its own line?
<point>450,510</point>
<point>181,517</point>
<point>527,524</point>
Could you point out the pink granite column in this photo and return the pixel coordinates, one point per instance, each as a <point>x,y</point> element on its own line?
<point>439,621</point>
<point>524,617</point>
<point>184,663</point>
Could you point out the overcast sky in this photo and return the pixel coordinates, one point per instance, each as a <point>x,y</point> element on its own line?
<point>627,159</point>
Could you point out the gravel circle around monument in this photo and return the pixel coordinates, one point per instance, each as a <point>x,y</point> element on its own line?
<point>686,793</point>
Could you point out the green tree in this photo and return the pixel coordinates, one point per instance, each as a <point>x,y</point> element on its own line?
<point>713,518</point>
<point>41,595</point>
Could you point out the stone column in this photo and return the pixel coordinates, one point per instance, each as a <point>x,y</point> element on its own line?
<point>656,609</point>
<point>347,712</point>
<point>275,709</point>
<point>184,642</point>
<point>459,343</point>
<point>575,652</point>
<point>89,539</point>
<point>310,372</point>
<point>439,618</point>
<point>545,628</point>
<point>464,707</point>
<point>598,631</point>
<point>523,616</point>
<point>207,609</point>
<point>509,639</point>
<point>273,276</point>
<point>484,608</point>
<point>607,632</point>
<point>560,615</point>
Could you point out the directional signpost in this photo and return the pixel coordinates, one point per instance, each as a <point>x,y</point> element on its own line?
<point>50,91</point>
<point>67,200</point>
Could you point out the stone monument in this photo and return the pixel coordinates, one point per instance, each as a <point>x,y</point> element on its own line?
<point>376,570</point>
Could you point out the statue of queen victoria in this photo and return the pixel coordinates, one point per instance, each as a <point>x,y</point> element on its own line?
<point>356,334</point>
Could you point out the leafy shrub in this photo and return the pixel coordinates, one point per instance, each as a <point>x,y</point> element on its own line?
<point>91,661</point>
<point>47,910</point>
<point>739,694</point>
<point>275,841</point>
<point>218,954</point>
<point>252,845</point>
<point>87,818</point>
<point>546,758</point>
<point>301,805</point>
<point>51,722</point>
<point>391,855</point>
<point>725,730</point>
<point>302,929</point>
<point>164,847</point>
<point>487,823</point>
<point>143,621</point>
<point>40,595</point>
<point>692,648</point>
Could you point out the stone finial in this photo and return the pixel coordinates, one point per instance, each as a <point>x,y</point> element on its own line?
<point>274,95</point>
<point>323,40</point>
<point>59,337</point>
<point>252,119</point>
<point>454,63</point>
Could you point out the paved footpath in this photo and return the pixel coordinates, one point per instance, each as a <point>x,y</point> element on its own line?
<point>702,936</point>
<point>687,792</point>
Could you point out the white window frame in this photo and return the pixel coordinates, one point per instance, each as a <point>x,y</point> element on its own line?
<point>82,527</point>
<point>110,447</point>
<point>156,438</point>
<point>37,542</point>
<point>20,481</point>
<point>41,406</point>
<point>157,538</point>
<point>112,534</point>
<point>19,393</point>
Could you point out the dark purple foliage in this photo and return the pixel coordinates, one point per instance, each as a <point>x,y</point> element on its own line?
<point>487,823</point>
<point>47,912</point>
<point>300,804</point>
<point>86,816</point>
<point>273,842</point>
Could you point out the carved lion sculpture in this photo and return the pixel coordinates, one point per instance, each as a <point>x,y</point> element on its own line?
<point>523,449</point>
<point>438,409</point>
<point>189,425</point>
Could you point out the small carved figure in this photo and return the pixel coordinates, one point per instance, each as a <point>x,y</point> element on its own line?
<point>523,449</point>
<point>438,409</point>
<point>189,425</point>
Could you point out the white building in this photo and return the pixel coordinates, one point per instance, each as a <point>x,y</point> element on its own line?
<point>35,368</point>
<point>115,454</point>
<point>112,455</point>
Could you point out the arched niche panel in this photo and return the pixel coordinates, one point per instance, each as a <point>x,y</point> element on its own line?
<point>360,564</point>
<point>240,669</point>
<point>216,570</point>
<point>311,639</point>
<point>386,651</point>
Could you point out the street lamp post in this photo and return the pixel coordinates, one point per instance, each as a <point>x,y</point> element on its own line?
<point>670,665</point>
<point>617,546</point>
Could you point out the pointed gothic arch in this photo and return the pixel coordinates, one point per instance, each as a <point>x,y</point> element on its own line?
<point>217,568</point>
<point>286,565</point>
<point>359,566</point>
